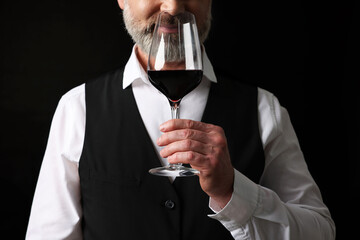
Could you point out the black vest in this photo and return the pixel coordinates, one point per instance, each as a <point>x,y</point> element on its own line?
<point>121,200</point>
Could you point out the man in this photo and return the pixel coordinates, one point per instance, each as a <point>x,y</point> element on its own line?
<point>253,181</point>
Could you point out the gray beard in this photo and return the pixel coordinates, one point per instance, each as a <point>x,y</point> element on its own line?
<point>175,52</point>
<point>143,36</point>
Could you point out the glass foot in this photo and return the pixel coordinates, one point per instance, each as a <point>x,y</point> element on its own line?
<point>174,171</point>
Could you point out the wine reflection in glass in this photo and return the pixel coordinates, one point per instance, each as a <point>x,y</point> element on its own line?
<point>175,69</point>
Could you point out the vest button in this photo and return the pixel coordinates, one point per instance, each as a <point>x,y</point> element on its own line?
<point>169,204</point>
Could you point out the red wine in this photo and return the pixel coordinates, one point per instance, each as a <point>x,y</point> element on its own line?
<point>175,84</point>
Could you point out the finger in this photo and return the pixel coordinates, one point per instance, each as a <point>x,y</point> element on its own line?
<point>175,124</point>
<point>184,146</point>
<point>196,160</point>
<point>178,135</point>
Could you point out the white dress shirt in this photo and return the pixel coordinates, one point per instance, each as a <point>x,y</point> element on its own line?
<point>287,203</point>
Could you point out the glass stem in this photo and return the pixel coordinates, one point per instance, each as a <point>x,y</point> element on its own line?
<point>175,105</point>
<point>174,109</point>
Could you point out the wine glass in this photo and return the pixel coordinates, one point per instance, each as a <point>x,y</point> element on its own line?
<point>175,69</point>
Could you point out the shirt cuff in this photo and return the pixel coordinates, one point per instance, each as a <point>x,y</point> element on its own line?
<point>241,206</point>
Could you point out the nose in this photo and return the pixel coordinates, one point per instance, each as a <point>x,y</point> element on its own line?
<point>173,7</point>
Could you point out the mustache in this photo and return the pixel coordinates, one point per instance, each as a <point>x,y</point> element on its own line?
<point>165,20</point>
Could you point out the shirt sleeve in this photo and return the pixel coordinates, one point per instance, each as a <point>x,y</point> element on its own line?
<point>287,203</point>
<point>56,210</point>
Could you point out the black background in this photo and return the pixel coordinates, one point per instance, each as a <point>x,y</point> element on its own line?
<point>302,51</point>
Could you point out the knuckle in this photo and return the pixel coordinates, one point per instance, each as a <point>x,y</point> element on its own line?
<point>188,143</point>
<point>189,124</point>
<point>187,133</point>
<point>219,140</point>
<point>190,134</point>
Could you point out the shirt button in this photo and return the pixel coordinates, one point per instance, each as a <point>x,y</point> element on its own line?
<point>169,204</point>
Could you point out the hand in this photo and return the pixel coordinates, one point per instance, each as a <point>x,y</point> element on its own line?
<point>204,147</point>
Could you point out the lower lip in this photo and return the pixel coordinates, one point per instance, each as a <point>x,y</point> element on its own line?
<point>168,29</point>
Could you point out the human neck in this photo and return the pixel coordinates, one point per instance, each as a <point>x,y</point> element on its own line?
<point>142,57</point>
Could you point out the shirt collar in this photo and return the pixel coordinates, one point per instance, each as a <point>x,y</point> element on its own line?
<point>133,70</point>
